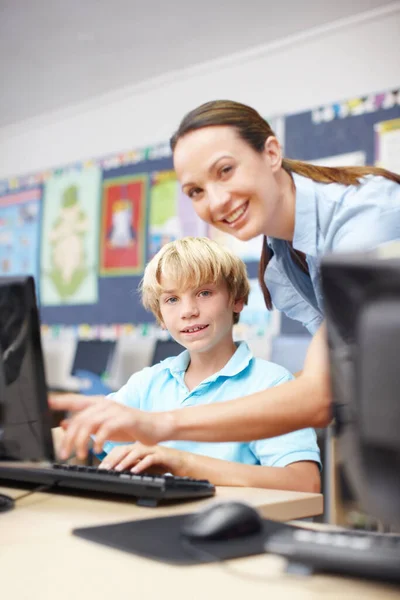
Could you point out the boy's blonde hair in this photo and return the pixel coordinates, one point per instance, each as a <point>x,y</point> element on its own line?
<point>193,262</point>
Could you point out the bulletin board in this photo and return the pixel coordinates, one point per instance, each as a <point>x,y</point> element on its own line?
<point>86,231</point>
<point>117,298</point>
<point>344,133</point>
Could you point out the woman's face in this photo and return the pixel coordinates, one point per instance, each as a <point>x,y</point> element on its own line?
<point>232,187</point>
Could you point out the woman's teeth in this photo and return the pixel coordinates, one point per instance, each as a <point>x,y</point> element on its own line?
<point>236,214</point>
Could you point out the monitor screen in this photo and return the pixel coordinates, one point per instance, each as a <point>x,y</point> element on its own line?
<point>164,349</point>
<point>94,356</point>
<point>25,431</point>
<point>362,308</point>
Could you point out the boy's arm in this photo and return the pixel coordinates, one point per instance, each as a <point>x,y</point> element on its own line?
<point>302,476</point>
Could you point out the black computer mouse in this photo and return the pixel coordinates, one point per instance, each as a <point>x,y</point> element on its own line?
<point>222,521</point>
<point>6,503</point>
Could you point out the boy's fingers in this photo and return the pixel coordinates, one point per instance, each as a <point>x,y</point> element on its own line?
<point>143,465</point>
<point>114,457</point>
<point>132,458</point>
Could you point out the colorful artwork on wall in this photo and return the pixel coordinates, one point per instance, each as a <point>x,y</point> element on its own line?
<point>69,249</point>
<point>19,232</point>
<point>123,231</point>
<point>171,213</point>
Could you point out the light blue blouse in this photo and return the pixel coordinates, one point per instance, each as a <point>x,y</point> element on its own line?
<point>329,218</point>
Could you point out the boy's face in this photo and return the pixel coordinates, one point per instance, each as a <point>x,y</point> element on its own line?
<point>200,319</point>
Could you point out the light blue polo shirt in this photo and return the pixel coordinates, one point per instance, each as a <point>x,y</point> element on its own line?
<point>329,218</point>
<point>162,388</point>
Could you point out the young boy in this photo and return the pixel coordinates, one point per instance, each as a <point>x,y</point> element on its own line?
<point>197,289</point>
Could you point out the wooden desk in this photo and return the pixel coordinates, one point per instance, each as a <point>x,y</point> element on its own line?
<point>41,559</point>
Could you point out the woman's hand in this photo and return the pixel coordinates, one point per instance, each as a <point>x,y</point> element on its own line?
<point>106,420</point>
<point>138,458</point>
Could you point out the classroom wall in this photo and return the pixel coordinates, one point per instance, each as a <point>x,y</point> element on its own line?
<point>348,58</point>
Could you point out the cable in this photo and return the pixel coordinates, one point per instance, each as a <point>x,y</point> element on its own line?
<point>40,488</point>
<point>8,503</point>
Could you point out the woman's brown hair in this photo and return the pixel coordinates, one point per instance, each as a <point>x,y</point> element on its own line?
<point>254,130</point>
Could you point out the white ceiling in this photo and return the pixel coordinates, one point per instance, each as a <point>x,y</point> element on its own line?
<point>57,53</point>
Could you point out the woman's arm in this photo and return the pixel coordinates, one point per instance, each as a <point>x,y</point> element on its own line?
<point>303,402</point>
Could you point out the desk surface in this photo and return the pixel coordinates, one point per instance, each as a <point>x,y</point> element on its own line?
<point>41,559</point>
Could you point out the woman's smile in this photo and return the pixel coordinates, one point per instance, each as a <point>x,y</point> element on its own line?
<point>237,217</point>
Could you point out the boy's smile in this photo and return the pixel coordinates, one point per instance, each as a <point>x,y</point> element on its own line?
<point>194,329</point>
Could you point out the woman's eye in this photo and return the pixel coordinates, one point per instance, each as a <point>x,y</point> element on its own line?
<point>226,170</point>
<point>194,193</point>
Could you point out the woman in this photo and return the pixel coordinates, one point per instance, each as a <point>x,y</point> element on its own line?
<point>230,165</point>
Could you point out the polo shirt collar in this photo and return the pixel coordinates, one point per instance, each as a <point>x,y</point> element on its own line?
<point>179,363</point>
<point>236,364</point>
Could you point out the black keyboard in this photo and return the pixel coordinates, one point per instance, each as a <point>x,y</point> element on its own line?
<point>147,489</point>
<point>360,554</point>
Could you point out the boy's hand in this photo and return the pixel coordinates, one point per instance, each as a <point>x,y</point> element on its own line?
<point>106,420</point>
<point>138,458</point>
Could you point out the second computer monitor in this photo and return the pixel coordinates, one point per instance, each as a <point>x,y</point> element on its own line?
<point>94,356</point>
<point>164,349</point>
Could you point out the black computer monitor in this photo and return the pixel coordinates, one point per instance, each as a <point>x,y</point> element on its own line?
<point>362,307</point>
<point>164,349</point>
<point>2,386</point>
<point>25,432</point>
<point>94,356</point>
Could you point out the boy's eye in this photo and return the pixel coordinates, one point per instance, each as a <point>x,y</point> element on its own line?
<point>205,293</point>
<point>171,300</point>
